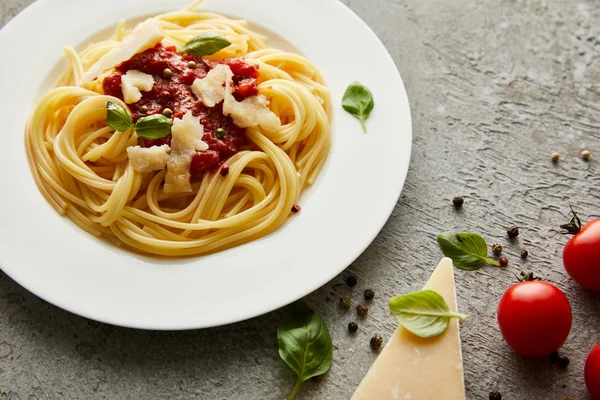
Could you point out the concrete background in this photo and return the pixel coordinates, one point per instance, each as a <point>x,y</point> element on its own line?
<point>495,87</point>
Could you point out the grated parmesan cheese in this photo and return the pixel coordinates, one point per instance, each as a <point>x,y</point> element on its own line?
<point>186,139</point>
<point>133,82</point>
<point>144,36</point>
<point>216,86</point>
<point>148,159</point>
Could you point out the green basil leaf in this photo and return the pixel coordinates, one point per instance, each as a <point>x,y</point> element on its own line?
<point>205,44</point>
<point>358,101</point>
<point>424,313</point>
<point>154,126</point>
<point>467,250</point>
<point>304,343</point>
<point>117,117</point>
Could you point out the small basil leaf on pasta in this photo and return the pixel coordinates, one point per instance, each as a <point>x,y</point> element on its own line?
<point>153,127</point>
<point>205,44</point>
<point>117,117</point>
<point>358,101</point>
<point>424,313</point>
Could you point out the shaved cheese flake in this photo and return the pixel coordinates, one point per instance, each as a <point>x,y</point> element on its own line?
<point>186,139</point>
<point>133,82</point>
<point>211,89</point>
<point>148,159</point>
<point>144,36</point>
<point>251,112</point>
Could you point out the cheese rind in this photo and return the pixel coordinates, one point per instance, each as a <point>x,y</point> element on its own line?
<point>144,36</point>
<point>415,368</point>
<point>133,82</point>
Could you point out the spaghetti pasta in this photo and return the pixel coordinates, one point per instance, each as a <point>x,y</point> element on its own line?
<point>81,165</point>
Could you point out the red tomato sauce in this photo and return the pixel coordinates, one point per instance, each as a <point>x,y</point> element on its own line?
<point>175,92</point>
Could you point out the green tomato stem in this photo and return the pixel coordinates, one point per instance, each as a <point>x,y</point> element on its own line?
<point>296,388</point>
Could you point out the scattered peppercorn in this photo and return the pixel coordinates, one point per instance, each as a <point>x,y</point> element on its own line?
<point>503,262</point>
<point>497,249</point>
<point>362,310</point>
<point>369,294</point>
<point>524,253</point>
<point>296,208</point>
<point>352,326</point>
<point>167,73</point>
<point>495,395</point>
<point>318,378</point>
<point>345,303</point>
<point>376,342</point>
<point>167,112</point>
<point>225,170</point>
<point>351,281</point>
<point>586,155</point>
<point>458,201</point>
<point>192,64</point>
<point>512,232</point>
<point>555,157</point>
<point>554,357</point>
<point>220,133</point>
<point>144,109</point>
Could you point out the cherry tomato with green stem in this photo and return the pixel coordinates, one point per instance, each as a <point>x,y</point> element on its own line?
<point>581,254</point>
<point>592,372</point>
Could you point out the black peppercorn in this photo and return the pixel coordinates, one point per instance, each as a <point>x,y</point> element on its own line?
<point>497,249</point>
<point>361,310</point>
<point>554,357</point>
<point>495,395</point>
<point>503,261</point>
<point>524,253</point>
<point>458,201</point>
<point>351,281</point>
<point>376,342</point>
<point>296,208</point>
<point>512,232</point>
<point>318,378</point>
<point>345,303</point>
<point>369,294</point>
<point>352,326</point>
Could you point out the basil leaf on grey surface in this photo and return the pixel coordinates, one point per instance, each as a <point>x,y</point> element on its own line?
<point>205,44</point>
<point>304,343</point>
<point>467,250</point>
<point>358,101</point>
<point>153,127</point>
<point>424,313</point>
<point>117,117</point>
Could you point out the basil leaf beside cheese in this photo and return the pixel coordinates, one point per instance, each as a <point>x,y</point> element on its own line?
<point>153,127</point>
<point>205,44</point>
<point>117,117</point>
<point>304,343</point>
<point>467,250</point>
<point>423,313</point>
<point>358,101</point>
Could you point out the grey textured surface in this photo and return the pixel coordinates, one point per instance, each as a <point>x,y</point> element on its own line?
<point>495,87</point>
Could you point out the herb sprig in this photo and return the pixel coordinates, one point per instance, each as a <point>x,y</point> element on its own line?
<point>467,250</point>
<point>151,127</point>
<point>358,101</point>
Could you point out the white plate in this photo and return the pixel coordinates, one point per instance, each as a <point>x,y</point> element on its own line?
<point>341,214</point>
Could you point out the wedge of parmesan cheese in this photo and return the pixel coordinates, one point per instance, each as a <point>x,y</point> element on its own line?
<point>211,89</point>
<point>133,82</point>
<point>148,159</point>
<point>144,36</point>
<point>253,111</point>
<point>186,139</point>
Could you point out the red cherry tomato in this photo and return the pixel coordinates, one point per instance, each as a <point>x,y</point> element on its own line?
<point>592,372</point>
<point>581,256</point>
<point>534,318</point>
